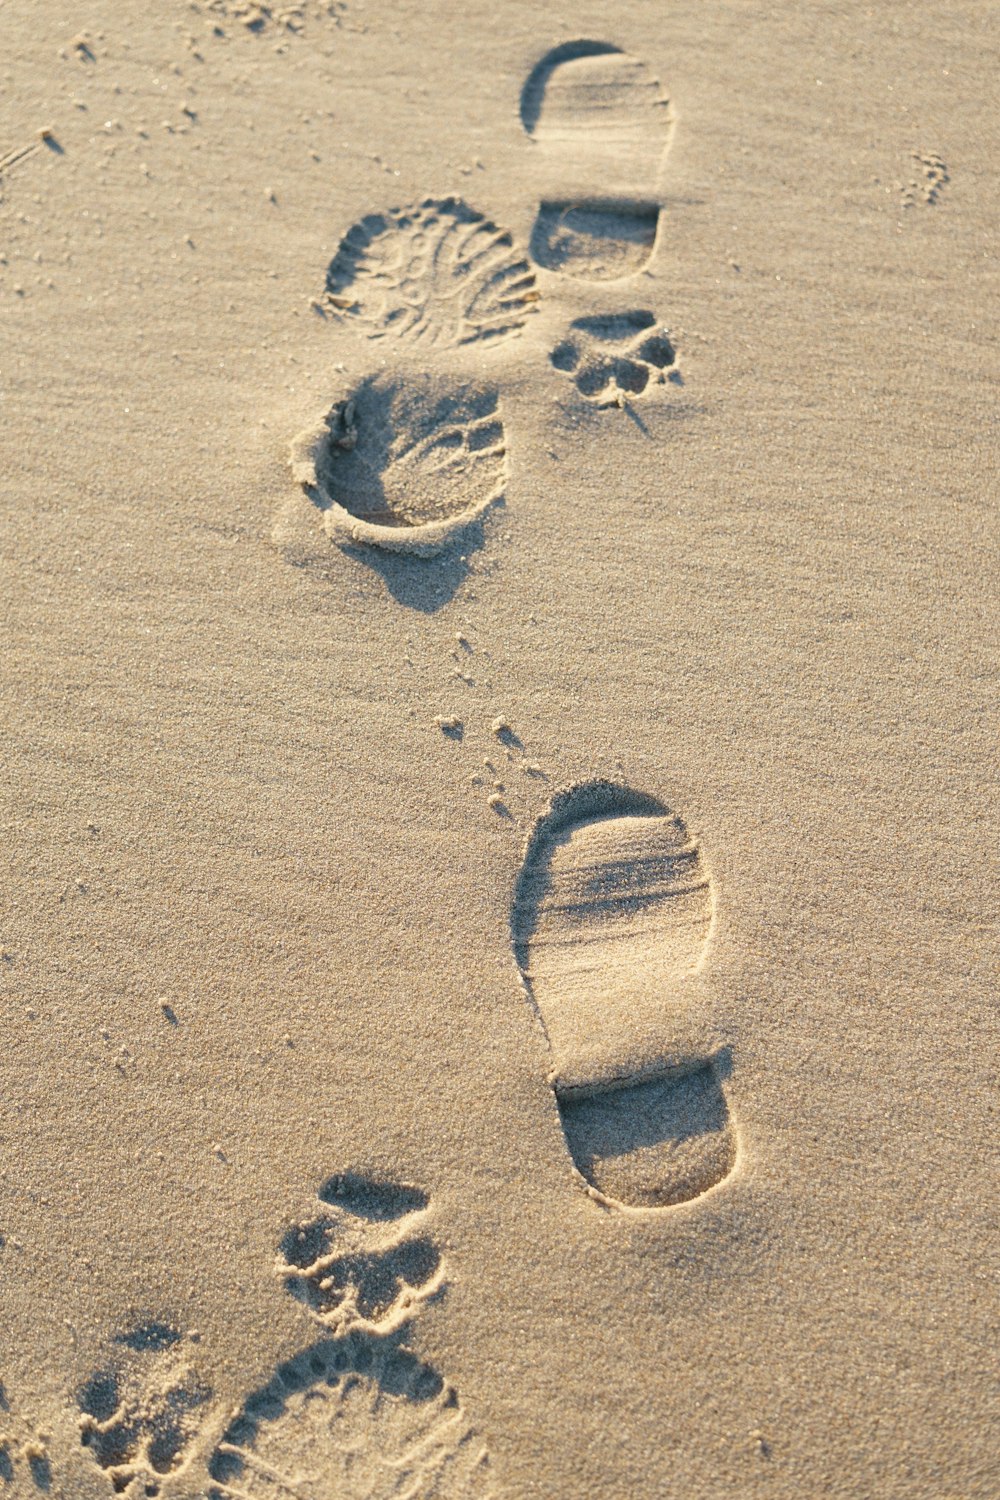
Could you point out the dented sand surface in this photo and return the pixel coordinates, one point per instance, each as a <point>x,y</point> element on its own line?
<point>498,951</point>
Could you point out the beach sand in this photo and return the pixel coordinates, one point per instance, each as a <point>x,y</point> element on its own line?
<point>499,938</point>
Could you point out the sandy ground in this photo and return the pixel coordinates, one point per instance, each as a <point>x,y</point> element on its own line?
<point>257,901</point>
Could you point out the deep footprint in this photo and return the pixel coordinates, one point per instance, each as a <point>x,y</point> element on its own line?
<point>611,916</point>
<point>405,462</point>
<point>359,1419</point>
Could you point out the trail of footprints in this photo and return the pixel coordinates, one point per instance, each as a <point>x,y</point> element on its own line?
<point>356,1414</point>
<point>408,461</point>
<point>610,926</point>
<point>614,906</point>
<point>612,918</point>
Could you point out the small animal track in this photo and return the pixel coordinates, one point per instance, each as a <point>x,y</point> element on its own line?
<point>141,1410</point>
<point>614,355</point>
<point>365,1262</point>
<point>436,272</point>
<point>405,462</point>
<point>929,185</point>
<point>356,1418</point>
<point>611,918</point>
<point>595,241</point>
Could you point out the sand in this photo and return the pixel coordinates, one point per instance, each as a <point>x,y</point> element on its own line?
<point>403,424</point>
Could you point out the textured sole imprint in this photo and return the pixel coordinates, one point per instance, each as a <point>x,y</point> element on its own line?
<point>365,1260</point>
<point>141,1410</point>
<point>356,1419</point>
<point>436,272</point>
<point>612,355</point>
<point>614,901</point>
<point>405,463</point>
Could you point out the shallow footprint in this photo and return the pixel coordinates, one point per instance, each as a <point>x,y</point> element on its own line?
<point>355,1419</point>
<point>611,920</point>
<point>600,123</point>
<point>588,99</point>
<point>142,1409</point>
<point>437,272</point>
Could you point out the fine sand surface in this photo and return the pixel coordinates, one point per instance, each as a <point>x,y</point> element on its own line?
<point>499,668</point>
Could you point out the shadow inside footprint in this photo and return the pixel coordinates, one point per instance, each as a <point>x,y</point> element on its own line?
<point>366,1262</point>
<point>655,1143</point>
<point>374,1286</point>
<point>141,1411</point>
<point>595,241</point>
<point>612,355</point>
<point>611,920</point>
<point>400,454</point>
<point>371,1200</point>
<point>41,1472</point>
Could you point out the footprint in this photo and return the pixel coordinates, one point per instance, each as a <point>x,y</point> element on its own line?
<point>404,462</point>
<point>436,272</point>
<point>595,241</point>
<point>142,1409</point>
<point>931,181</point>
<point>357,1414</point>
<point>358,1418</point>
<point>596,117</point>
<point>614,355</point>
<point>366,1261</point>
<point>25,1465</point>
<point>408,459</point>
<point>611,921</point>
